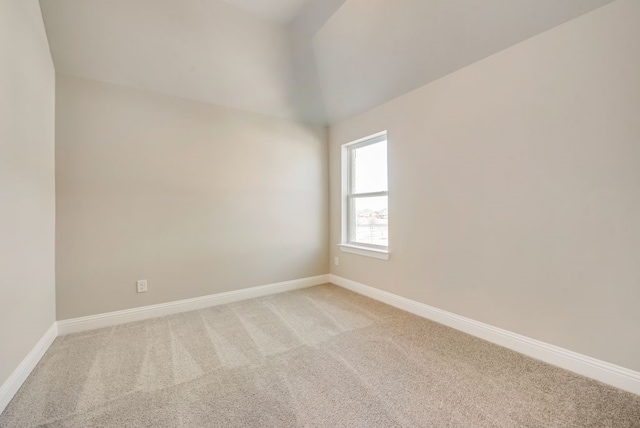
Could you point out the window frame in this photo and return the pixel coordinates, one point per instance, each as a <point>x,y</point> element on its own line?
<point>348,243</point>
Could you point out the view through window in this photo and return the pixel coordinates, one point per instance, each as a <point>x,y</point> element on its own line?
<point>367,194</point>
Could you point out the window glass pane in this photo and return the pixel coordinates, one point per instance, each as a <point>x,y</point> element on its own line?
<point>370,168</point>
<point>371,220</point>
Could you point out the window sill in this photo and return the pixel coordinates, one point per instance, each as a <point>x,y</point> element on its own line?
<point>364,251</point>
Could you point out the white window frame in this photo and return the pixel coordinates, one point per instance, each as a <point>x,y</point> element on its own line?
<point>348,245</point>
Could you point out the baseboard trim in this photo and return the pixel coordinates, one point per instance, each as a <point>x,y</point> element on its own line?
<point>11,386</point>
<point>602,371</point>
<point>109,319</point>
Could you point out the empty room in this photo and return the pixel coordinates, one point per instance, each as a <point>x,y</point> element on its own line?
<point>320,213</point>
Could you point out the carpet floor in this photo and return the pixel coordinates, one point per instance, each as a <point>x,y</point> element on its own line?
<point>318,357</point>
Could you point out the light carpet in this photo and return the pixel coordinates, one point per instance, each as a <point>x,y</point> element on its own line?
<point>318,357</point>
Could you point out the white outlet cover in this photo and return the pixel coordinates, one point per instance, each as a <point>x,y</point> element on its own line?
<point>142,285</point>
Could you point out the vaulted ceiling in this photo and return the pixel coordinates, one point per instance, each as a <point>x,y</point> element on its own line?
<point>309,60</point>
<point>283,11</point>
<point>372,51</point>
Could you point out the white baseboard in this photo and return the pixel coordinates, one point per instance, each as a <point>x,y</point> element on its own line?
<point>24,369</point>
<point>109,319</point>
<point>604,372</point>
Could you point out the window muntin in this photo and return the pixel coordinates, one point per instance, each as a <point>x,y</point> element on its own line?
<point>366,199</point>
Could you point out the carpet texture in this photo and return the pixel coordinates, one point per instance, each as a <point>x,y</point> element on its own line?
<point>318,357</point>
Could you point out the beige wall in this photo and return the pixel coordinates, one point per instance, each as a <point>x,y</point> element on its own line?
<point>194,198</point>
<point>27,201</point>
<point>515,189</point>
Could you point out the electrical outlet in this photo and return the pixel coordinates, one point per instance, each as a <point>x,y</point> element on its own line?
<point>142,285</point>
<point>337,261</point>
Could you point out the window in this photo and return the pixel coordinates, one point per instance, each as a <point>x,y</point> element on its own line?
<point>365,222</point>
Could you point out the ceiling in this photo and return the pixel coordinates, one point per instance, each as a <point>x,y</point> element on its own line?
<point>205,50</point>
<point>283,11</point>
<point>307,60</point>
<point>371,51</point>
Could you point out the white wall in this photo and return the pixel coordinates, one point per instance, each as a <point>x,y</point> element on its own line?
<point>194,198</point>
<point>515,188</point>
<point>27,201</point>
